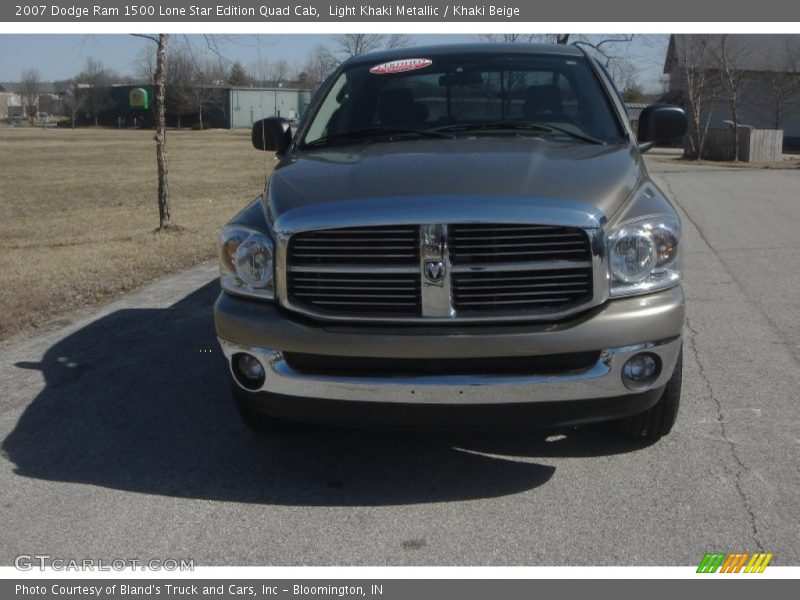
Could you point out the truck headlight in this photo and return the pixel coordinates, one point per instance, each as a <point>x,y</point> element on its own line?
<point>645,256</point>
<point>246,262</point>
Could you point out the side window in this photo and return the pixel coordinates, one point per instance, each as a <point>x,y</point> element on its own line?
<point>325,122</point>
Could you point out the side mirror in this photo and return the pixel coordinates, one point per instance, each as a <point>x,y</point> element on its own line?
<point>661,123</point>
<point>272,134</point>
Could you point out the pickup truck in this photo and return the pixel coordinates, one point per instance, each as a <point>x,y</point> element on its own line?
<point>460,236</point>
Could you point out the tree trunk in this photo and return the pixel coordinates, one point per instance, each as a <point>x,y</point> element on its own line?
<point>164,217</point>
<point>95,119</point>
<point>691,150</point>
<point>201,117</point>
<point>735,119</point>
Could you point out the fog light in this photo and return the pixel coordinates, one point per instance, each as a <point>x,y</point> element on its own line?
<point>248,371</point>
<point>641,370</point>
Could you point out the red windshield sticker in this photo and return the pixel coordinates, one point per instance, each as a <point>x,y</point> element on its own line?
<point>401,66</point>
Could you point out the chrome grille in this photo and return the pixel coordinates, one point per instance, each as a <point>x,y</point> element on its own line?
<point>492,271</point>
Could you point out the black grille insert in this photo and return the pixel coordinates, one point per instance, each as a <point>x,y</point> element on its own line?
<point>492,243</point>
<point>389,245</point>
<point>551,364</point>
<point>554,289</point>
<point>357,293</point>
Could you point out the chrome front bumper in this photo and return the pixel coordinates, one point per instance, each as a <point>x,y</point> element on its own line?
<point>602,380</point>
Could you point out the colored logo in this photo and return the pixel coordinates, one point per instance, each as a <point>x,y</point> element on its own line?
<point>401,66</point>
<point>734,562</point>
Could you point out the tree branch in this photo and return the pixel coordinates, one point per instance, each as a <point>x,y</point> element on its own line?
<point>146,36</point>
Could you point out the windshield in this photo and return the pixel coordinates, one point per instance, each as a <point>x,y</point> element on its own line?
<point>557,97</point>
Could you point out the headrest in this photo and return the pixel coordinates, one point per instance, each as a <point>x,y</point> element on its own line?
<point>396,108</point>
<point>541,100</point>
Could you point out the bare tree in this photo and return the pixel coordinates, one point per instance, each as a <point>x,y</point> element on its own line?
<point>204,79</point>
<point>30,89</point>
<point>145,64</point>
<point>693,78</point>
<point>320,63</point>
<point>785,78</point>
<point>159,76</point>
<point>633,92</point>
<point>732,75</point>
<point>624,73</point>
<point>663,85</point>
<point>179,95</point>
<point>355,44</point>
<point>161,40</point>
<point>609,49</point>
<point>600,44</point>
<point>260,71</point>
<point>603,47</point>
<point>397,40</point>
<point>164,216</point>
<point>96,83</point>
<point>279,71</point>
<point>74,102</point>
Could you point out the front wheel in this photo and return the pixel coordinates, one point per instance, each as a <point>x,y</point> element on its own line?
<point>657,421</point>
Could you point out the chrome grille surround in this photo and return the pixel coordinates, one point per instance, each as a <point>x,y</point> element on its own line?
<point>432,218</point>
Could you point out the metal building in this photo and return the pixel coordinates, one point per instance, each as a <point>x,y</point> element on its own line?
<point>248,105</point>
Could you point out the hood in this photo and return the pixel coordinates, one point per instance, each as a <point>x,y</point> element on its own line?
<point>525,172</point>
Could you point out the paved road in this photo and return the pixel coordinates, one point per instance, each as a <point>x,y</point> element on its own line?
<point>118,438</point>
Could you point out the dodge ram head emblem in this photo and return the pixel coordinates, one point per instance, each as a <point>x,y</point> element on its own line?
<point>434,270</point>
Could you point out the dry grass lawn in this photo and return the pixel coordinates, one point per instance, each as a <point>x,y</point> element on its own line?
<point>78,212</point>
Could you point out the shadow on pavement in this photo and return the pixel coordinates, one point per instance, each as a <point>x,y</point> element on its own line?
<point>135,401</point>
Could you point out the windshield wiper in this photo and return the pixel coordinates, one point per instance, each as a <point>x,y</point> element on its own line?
<point>369,133</point>
<point>522,125</point>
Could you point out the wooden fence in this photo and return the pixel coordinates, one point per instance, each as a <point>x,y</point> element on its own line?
<point>755,145</point>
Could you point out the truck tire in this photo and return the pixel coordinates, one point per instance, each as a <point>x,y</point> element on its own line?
<point>657,421</point>
<point>257,421</point>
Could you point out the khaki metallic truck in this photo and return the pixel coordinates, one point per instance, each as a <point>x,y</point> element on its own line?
<point>456,237</point>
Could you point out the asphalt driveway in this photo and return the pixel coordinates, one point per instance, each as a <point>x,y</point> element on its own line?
<point>119,439</point>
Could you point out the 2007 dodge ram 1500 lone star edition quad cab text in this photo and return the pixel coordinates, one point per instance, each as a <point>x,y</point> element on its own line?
<point>454,237</point>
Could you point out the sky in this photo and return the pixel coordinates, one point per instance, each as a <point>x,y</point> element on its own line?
<point>60,56</point>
